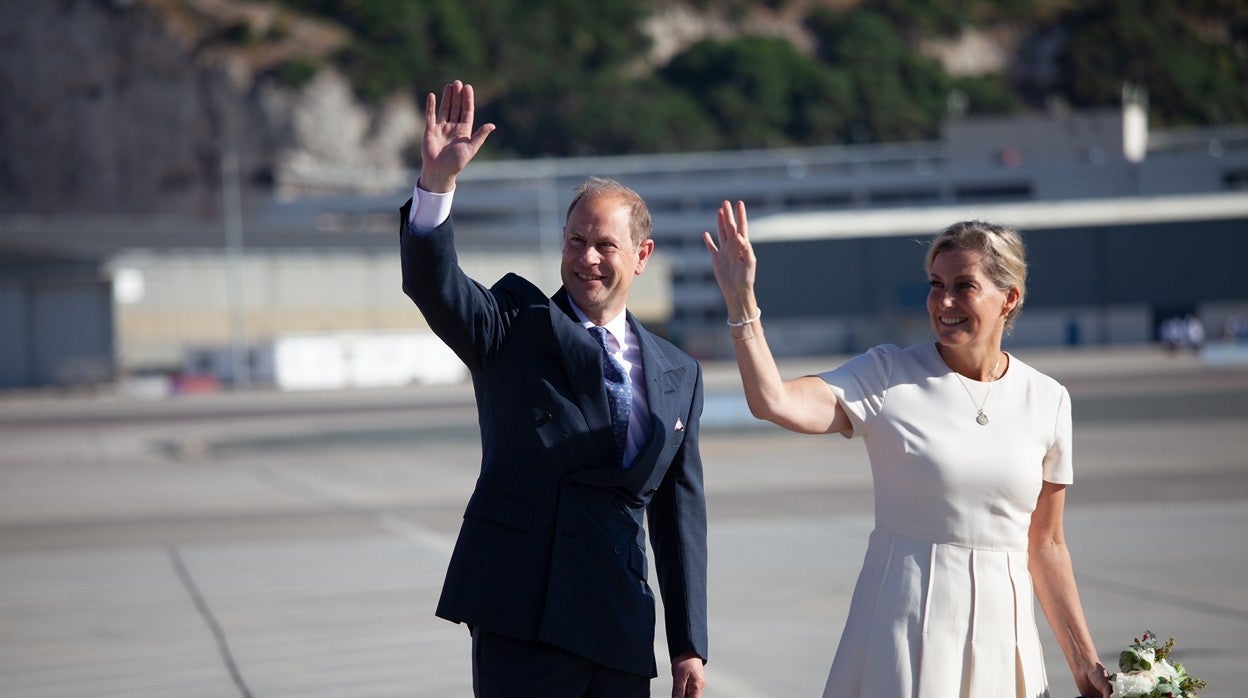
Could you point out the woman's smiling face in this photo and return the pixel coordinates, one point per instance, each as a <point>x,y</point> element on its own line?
<point>966,308</point>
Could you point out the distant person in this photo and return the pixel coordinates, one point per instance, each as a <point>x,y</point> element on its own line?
<point>1193,333</point>
<point>588,421</point>
<point>970,450</point>
<point>1173,334</point>
<point>1235,328</point>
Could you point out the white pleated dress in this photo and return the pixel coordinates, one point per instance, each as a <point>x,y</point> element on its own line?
<point>944,606</point>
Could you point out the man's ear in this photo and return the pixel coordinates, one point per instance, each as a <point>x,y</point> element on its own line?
<point>643,254</point>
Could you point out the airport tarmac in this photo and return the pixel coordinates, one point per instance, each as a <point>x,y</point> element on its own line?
<point>293,544</point>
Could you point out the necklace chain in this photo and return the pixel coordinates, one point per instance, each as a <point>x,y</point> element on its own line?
<point>981,418</point>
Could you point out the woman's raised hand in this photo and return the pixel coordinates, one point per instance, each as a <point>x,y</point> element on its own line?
<point>732,256</point>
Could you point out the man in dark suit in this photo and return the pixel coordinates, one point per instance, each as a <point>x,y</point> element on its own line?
<point>581,432</point>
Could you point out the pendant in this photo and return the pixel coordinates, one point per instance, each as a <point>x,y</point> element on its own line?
<point>982,418</point>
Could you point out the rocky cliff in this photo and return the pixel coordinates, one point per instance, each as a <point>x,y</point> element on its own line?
<point>128,106</point>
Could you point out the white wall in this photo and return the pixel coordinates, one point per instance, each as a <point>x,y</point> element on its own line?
<point>178,301</point>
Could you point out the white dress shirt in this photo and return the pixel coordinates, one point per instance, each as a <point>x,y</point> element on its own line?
<point>429,210</point>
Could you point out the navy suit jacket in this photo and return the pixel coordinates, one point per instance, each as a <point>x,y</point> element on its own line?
<point>552,546</point>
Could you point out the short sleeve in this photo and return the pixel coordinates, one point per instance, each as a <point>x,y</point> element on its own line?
<point>1058,462</point>
<point>860,385</point>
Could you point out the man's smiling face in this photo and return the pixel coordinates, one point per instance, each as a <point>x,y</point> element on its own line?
<point>600,260</point>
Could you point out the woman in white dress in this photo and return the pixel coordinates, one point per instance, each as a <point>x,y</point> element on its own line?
<point>970,453</point>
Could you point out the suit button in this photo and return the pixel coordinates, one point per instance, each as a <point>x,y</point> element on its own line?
<point>616,550</point>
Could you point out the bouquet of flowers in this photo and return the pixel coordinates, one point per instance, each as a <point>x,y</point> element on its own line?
<point>1147,671</point>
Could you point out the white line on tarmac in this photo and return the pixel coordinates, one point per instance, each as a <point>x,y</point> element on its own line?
<point>416,533</point>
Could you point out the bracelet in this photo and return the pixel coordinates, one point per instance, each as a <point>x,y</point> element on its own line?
<point>747,321</point>
<point>748,337</point>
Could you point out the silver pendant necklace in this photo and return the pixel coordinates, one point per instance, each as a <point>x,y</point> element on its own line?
<point>982,417</point>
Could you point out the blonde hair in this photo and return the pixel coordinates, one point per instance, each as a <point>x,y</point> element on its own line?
<point>640,224</point>
<point>1004,256</point>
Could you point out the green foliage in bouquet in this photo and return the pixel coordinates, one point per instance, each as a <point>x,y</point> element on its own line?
<point>1148,671</point>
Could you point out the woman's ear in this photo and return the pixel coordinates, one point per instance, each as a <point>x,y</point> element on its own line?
<point>1011,300</point>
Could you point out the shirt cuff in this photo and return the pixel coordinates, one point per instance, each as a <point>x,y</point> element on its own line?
<point>429,210</point>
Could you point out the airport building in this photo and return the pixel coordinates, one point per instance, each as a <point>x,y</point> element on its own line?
<point>1125,229</point>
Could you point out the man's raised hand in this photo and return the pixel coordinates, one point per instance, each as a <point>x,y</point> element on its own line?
<point>449,142</point>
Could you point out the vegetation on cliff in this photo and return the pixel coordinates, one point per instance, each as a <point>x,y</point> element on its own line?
<point>570,77</point>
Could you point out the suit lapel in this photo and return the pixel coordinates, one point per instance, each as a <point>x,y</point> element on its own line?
<point>663,397</point>
<point>662,393</point>
<point>582,360</point>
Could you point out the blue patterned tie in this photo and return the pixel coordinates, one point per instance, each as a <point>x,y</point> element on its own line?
<point>619,392</point>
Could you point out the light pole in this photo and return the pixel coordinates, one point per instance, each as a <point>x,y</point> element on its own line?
<point>232,217</point>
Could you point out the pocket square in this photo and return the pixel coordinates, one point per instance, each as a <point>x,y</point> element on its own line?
<point>680,426</point>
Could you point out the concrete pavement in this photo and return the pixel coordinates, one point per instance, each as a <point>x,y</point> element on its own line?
<point>269,544</point>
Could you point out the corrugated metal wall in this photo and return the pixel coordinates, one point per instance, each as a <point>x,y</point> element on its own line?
<point>57,330</point>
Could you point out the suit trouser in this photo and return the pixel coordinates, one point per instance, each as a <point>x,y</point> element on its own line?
<point>509,667</point>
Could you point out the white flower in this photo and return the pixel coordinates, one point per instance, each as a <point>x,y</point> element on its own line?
<point>1164,670</point>
<point>1128,685</point>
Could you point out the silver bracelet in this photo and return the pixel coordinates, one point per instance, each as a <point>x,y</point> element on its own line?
<point>747,321</point>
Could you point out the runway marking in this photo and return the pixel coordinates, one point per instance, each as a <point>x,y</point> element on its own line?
<point>1161,597</point>
<point>389,521</point>
<point>415,532</point>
